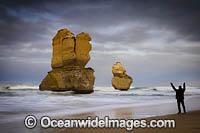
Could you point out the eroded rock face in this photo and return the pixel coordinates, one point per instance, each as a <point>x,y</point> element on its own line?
<point>121,80</point>
<point>63,49</point>
<point>70,55</point>
<point>82,49</point>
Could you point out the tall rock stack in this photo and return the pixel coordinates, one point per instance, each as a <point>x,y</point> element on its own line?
<point>120,81</point>
<point>70,55</point>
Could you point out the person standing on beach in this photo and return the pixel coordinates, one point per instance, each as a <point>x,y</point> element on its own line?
<point>180,97</point>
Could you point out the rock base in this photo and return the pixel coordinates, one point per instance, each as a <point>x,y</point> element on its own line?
<point>122,83</point>
<point>80,80</point>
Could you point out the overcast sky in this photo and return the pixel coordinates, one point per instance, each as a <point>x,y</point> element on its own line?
<point>157,41</point>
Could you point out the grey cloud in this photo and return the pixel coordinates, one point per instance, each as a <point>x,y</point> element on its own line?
<point>162,30</point>
<point>149,70</point>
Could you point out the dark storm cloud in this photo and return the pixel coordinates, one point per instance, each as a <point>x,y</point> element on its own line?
<point>181,16</point>
<point>15,29</point>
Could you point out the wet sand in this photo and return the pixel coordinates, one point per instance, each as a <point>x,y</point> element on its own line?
<point>185,123</point>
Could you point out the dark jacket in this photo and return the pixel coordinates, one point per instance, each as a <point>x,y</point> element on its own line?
<point>180,94</point>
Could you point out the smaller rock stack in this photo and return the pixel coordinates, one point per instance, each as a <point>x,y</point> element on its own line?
<point>120,81</point>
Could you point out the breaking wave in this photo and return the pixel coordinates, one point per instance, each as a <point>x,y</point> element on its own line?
<point>20,87</point>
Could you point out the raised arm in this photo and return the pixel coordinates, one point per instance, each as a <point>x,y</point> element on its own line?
<point>184,86</point>
<point>173,87</point>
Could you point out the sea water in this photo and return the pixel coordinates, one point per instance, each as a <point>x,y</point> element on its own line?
<point>23,100</point>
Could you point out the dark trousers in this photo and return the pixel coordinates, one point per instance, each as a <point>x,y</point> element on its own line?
<point>179,102</point>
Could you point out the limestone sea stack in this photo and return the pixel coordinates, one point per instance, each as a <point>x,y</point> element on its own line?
<point>70,55</point>
<point>120,81</point>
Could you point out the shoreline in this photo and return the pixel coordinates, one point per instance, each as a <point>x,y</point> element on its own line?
<point>192,101</point>
<point>148,111</point>
<point>142,111</point>
<point>166,111</point>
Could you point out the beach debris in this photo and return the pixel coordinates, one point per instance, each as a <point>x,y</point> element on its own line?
<point>70,55</point>
<point>120,81</point>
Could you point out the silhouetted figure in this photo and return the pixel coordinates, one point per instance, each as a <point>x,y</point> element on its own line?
<point>180,97</point>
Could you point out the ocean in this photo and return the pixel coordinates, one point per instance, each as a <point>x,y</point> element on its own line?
<point>19,101</point>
